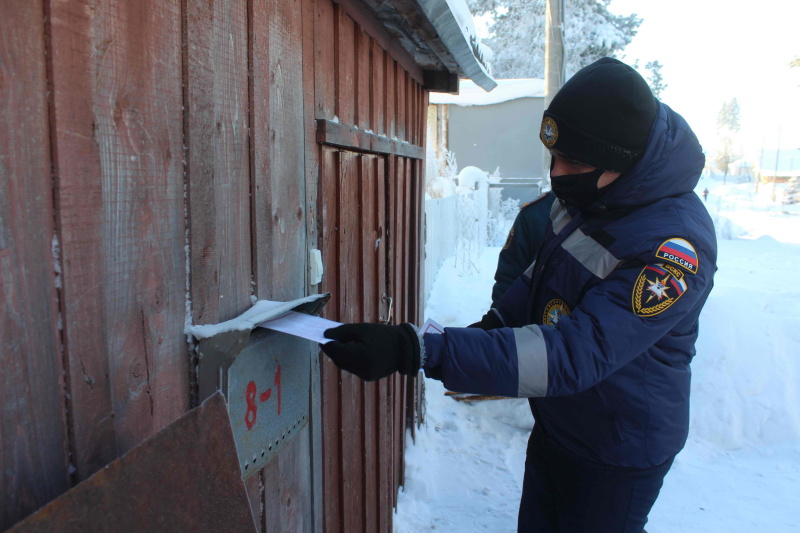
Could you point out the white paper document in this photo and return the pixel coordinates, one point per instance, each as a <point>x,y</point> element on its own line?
<point>301,325</point>
<point>432,327</point>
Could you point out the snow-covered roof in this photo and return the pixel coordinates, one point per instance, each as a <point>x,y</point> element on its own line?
<point>439,36</point>
<point>453,21</point>
<point>470,94</point>
<point>785,163</point>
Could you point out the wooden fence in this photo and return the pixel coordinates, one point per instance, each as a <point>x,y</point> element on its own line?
<point>160,166</point>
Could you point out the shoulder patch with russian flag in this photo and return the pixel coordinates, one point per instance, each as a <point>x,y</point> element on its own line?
<point>680,252</point>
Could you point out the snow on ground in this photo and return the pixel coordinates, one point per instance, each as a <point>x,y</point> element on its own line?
<point>740,470</point>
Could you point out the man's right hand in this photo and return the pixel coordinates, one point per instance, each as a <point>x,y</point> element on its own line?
<point>489,321</point>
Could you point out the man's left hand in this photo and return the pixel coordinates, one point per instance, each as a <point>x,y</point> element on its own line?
<point>489,321</point>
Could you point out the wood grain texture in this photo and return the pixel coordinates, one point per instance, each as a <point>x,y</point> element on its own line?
<point>351,310</point>
<point>354,138</point>
<point>331,396</point>
<point>285,507</point>
<point>401,238</point>
<point>280,251</point>
<point>278,150</point>
<point>376,94</point>
<point>325,108</point>
<point>118,132</point>
<point>33,439</point>
<point>367,275</point>
<point>389,87</point>
<point>324,60</point>
<point>401,117</point>
<point>217,159</point>
<point>345,66</point>
<point>383,406</point>
<point>309,11</point>
<point>363,73</point>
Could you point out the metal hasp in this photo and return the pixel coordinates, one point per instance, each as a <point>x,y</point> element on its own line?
<point>266,378</point>
<point>184,478</point>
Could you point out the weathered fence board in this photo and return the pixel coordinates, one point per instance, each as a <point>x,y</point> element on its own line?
<point>377,96</point>
<point>279,199</point>
<point>331,399</point>
<point>345,66</point>
<point>217,158</point>
<point>312,217</point>
<point>351,309</point>
<point>32,430</point>
<point>117,98</point>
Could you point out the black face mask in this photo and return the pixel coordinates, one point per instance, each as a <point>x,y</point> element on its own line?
<point>579,190</point>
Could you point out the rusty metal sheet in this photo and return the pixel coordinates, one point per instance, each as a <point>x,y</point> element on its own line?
<point>184,478</point>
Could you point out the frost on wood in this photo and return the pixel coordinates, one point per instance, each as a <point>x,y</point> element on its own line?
<point>441,173</point>
<point>56,261</point>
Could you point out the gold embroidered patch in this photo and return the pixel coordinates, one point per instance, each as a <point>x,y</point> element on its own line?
<point>508,239</point>
<point>549,132</point>
<point>656,289</point>
<point>554,311</point>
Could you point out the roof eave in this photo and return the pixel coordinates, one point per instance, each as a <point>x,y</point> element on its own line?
<point>427,31</point>
<point>467,54</point>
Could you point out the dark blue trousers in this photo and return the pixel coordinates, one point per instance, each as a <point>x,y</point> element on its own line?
<point>562,495</point>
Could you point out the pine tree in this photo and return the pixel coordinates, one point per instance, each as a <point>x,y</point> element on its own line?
<point>655,79</point>
<point>727,129</point>
<point>518,34</point>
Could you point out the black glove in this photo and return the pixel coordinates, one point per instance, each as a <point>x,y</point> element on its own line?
<point>489,321</point>
<point>374,351</point>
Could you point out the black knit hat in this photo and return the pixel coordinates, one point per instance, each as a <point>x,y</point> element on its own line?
<point>602,116</point>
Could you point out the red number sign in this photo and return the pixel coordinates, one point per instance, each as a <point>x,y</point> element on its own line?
<point>250,397</point>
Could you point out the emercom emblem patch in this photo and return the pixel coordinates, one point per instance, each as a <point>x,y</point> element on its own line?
<point>679,252</point>
<point>508,239</point>
<point>548,132</point>
<point>554,311</point>
<point>656,289</point>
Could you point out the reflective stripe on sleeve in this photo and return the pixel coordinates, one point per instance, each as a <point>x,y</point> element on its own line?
<point>559,216</point>
<point>529,273</point>
<point>591,254</point>
<point>531,362</point>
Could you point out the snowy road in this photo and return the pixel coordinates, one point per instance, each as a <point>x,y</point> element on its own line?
<point>740,470</point>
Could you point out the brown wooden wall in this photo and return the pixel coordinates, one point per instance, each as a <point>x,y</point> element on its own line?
<point>370,222</point>
<point>159,166</point>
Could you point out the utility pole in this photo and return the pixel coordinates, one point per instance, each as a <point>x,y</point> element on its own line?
<point>553,59</point>
<point>554,48</point>
<point>777,159</point>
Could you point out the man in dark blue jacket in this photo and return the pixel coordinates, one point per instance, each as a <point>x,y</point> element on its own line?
<point>600,330</point>
<point>523,242</point>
